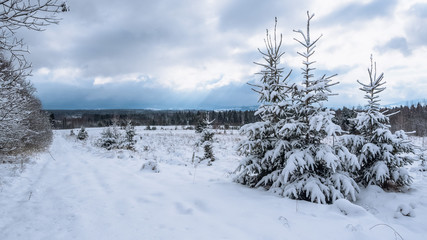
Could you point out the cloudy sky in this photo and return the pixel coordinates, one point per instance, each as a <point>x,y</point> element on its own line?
<point>170,54</point>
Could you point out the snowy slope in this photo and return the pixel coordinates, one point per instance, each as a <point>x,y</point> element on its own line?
<point>85,192</point>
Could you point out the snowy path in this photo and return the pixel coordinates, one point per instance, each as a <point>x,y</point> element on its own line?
<point>90,194</point>
<point>83,195</point>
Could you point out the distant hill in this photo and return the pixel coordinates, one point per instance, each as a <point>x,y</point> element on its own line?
<point>408,103</point>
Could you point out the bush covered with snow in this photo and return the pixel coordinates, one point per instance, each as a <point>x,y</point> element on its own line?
<point>82,135</point>
<point>112,138</point>
<point>150,166</point>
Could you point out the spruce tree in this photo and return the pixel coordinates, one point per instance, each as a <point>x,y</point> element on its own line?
<point>286,152</point>
<point>82,135</point>
<point>110,138</point>
<point>259,149</point>
<point>206,140</point>
<point>380,153</point>
<point>129,141</point>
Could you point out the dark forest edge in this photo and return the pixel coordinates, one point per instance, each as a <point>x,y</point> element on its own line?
<point>410,119</point>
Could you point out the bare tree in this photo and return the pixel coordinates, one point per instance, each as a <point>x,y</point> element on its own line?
<point>33,15</point>
<point>23,125</point>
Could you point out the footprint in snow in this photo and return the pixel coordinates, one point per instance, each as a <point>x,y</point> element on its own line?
<point>182,209</point>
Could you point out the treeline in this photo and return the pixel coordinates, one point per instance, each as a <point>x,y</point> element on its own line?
<point>409,119</point>
<point>413,118</point>
<point>66,119</point>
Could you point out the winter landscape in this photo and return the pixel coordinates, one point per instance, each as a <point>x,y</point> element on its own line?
<point>79,191</point>
<point>124,127</point>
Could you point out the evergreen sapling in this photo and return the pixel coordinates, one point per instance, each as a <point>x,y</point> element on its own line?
<point>381,154</point>
<point>206,140</point>
<point>129,142</point>
<point>82,135</point>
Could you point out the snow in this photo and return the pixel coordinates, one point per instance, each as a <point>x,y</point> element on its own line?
<point>348,208</point>
<point>80,191</point>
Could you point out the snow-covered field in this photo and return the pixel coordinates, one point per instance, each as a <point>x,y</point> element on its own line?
<point>79,191</point>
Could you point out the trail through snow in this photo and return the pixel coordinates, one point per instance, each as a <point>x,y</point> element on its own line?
<point>88,193</point>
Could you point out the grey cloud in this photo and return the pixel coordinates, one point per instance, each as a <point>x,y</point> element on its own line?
<point>397,43</point>
<point>254,15</point>
<point>118,37</point>
<point>416,29</point>
<point>136,95</point>
<point>358,12</point>
<point>419,10</point>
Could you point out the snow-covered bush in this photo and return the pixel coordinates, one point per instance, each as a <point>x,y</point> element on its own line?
<point>381,154</point>
<point>150,166</point>
<point>407,210</point>
<point>285,152</point>
<point>110,138</point>
<point>82,135</point>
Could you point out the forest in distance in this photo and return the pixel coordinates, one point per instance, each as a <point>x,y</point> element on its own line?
<point>409,119</point>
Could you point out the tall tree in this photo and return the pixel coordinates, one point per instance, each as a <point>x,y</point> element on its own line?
<point>259,149</point>
<point>23,126</point>
<point>286,152</point>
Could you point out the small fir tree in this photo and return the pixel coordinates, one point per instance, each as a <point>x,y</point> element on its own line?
<point>129,141</point>
<point>380,153</point>
<point>82,135</point>
<point>110,138</point>
<point>206,140</point>
<point>201,123</point>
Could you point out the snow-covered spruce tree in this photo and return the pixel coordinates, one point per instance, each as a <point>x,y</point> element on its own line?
<point>380,153</point>
<point>206,140</point>
<point>201,123</point>
<point>82,135</point>
<point>110,138</point>
<point>286,153</point>
<point>129,142</point>
<point>260,157</point>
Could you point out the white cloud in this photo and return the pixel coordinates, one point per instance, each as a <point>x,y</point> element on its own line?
<point>67,75</point>
<point>130,77</point>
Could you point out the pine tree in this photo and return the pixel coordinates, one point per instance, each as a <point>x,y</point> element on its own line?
<point>379,152</point>
<point>286,152</point>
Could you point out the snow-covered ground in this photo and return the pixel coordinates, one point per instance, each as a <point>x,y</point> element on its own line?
<point>79,191</point>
